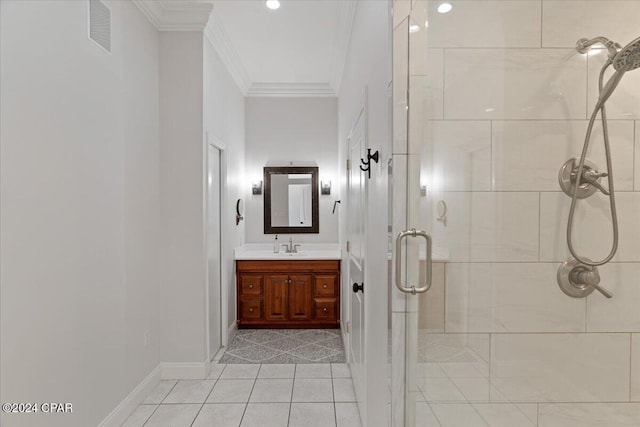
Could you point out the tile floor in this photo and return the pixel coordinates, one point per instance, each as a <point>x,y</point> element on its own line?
<point>254,395</point>
<point>285,346</point>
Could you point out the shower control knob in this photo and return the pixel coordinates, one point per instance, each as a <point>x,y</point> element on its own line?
<point>579,280</point>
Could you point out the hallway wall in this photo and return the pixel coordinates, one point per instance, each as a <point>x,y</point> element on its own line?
<point>79,208</point>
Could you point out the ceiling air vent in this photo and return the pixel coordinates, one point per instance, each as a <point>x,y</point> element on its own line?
<point>100,24</point>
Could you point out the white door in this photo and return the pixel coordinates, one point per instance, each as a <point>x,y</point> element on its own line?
<point>357,210</point>
<point>213,250</point>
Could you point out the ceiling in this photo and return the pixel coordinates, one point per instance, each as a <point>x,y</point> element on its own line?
<point>296,50</point>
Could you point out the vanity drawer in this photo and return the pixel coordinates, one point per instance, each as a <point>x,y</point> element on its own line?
<point>326,285</point>
<point>325,308</point>
<point>250,284</point>
<point>251,308</point>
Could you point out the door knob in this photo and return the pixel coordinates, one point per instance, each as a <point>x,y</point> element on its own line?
<point>357,288</point>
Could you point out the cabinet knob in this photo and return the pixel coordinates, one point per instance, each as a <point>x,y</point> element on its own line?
<point>325,309</point>
<point>251,309</point>
<point>250,286</point>
<point>324,286</point>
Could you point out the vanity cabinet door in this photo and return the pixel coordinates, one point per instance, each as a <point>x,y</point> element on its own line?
<point>300,297</point>
<point>276,296</point>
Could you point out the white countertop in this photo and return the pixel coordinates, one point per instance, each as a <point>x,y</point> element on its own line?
<point>306,251</point>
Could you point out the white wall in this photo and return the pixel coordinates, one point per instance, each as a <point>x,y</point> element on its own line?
<point>79,208</point>
<point>298,130</point>
<point>182,184</point>
<point>224,120</point>
<point>368,65</point>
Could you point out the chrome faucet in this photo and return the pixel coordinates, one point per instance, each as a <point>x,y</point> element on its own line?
<point>290,248</point>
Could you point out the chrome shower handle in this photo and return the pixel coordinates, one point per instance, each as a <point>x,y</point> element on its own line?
<point>592,176</point>
<point>424,287</point>
<point>589,276</point>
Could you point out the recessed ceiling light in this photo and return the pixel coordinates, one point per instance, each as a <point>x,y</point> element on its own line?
<point>414,28</point>
<point>445,7</point>
<point>273,4</point>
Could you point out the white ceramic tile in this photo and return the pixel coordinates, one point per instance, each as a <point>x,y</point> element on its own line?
<point>231,391</point>
<point>173,416</point>
<point>457,354</point>
<point>343,390</point>
<point>312,415</point>
<point>504,227</point>
<point>473,389</point>
<point>347,414</point>
<point>635,367</point>
<point>456,234</point>
<point>461,153</point>
<point>620,313</point>
<point>510,297</point>
<point>226,414</point>
<point>266,415</point>
<point>527,155</point>
<point>425,416</point>
<point>624,103</point>
<point>401,9</point>
<point>430,370</point>
<point>457,414</point>
<point>560,367</point>
<point>139,416</point>
<point>440,390</point>
<point>426,92</point>
<point>190,391</point>
<point>564,22</point>
<point>494,84</point>
<point>312,390</point>
<point>313,370</point>
<point>160,392</point>
<point>592,235</point>
<point>272,390</point>
<point>240,371</point>
<point>507,414</point>
<point>589,415</point>
<point>340,370</point>
<point>431,304</point>
<point>486,24</point>
<point>216,370</point>
<point>277,371</point>
<point>400,110</point>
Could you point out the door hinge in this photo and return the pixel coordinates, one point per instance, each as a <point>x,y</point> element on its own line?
<point>348,164</point>
<point>348,246</point>
<point>347,327</point>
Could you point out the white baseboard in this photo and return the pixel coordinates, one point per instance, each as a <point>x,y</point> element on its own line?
<point>184,371</point>
<point>131,402</point>
<point>233,330</point>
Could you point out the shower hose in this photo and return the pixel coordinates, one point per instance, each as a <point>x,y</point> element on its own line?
<point>612,198</point>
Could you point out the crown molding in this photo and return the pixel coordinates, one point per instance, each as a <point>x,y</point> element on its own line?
<point>346,16</point>
<point>176,15</point>
<point>221,42</point>
<point>291,89</point>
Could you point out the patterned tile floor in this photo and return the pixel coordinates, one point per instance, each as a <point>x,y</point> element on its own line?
<point>285,346</point>
<point>254,395</point>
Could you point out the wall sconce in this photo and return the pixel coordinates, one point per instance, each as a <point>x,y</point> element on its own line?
<point>256,188</point>
<point>325,188</point>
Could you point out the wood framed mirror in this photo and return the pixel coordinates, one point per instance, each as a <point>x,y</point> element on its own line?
<point>291,200</point>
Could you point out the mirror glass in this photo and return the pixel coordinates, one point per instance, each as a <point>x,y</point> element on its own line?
<point>291,200</point>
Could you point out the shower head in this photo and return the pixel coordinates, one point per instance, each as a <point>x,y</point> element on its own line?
<point>629,57</point>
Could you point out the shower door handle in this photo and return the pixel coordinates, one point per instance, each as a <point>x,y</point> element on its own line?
<point>423,287</point>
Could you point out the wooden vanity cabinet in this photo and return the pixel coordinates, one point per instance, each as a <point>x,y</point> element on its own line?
<point>288,293</point>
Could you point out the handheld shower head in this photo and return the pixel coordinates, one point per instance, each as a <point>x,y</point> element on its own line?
<point>629,57</point>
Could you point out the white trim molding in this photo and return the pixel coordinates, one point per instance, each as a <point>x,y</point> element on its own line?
<point>218,37</point>
<point>175,15</point>
<point>121,412</point>
<point>184,371</point>
<point>291,89</point>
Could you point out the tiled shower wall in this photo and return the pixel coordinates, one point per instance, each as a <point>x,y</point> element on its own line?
<point>503,100</point>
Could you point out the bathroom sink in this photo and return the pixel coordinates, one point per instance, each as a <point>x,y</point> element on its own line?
<point>315,254</point>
